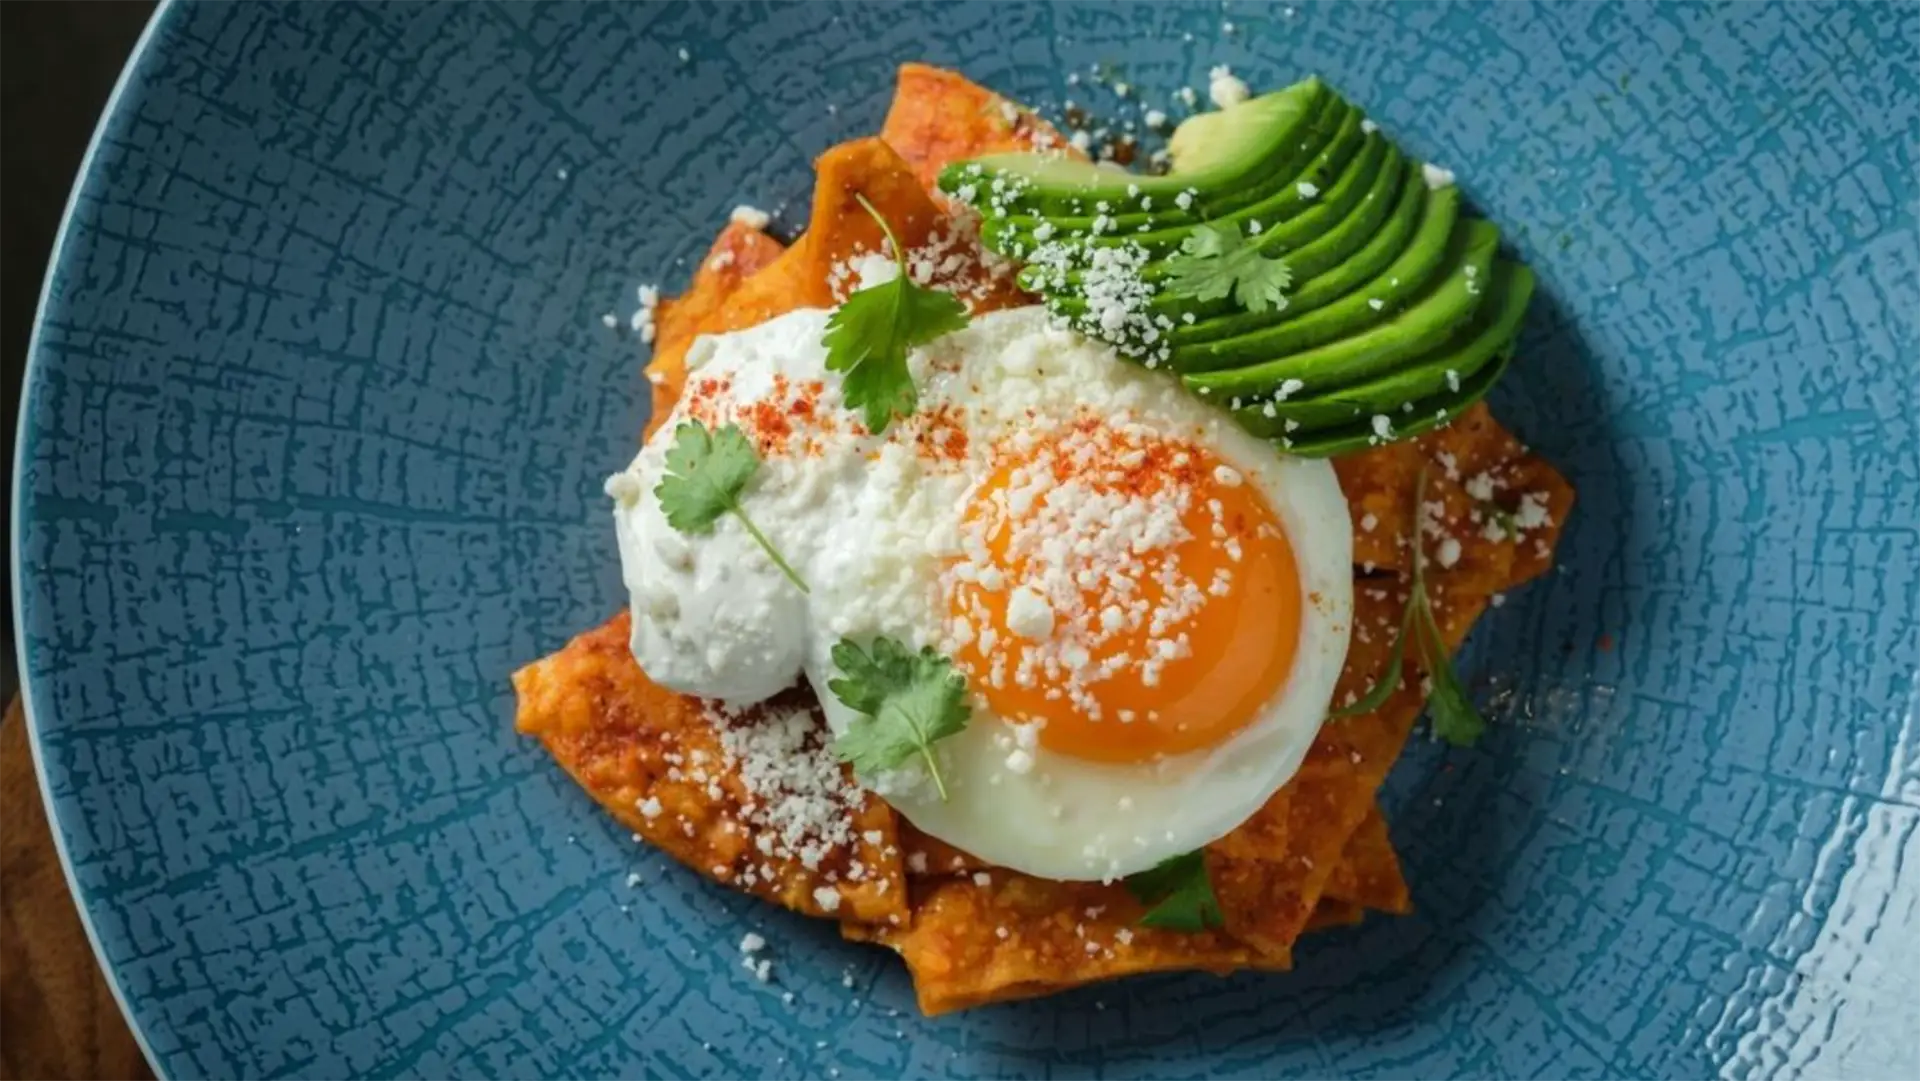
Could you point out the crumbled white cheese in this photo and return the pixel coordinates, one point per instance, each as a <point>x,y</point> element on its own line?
<point>1225,89</point>
<point>752,943</point>
<point>828,899</point>
<point>1155,119</point>
<point>1368,127</point>
<point>1028,614</point>
<point>642,319</point>
<point>873,269</point>
<point>1532,512</point>
<point>1435,176</point>
<point>1307,189</point>
<point>751,217</point>
<point>625,489</point>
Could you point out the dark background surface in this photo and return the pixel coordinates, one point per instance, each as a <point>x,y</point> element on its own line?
<point>58,63</point>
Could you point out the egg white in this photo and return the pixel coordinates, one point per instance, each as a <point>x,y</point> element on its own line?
<point>871,525</point>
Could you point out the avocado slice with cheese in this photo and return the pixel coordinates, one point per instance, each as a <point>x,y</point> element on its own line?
<point>1397,395</point>
<point>1326,148</point>
<point>1397,311</point>
<point>1221,161</point>
<point>1353,347</point>
<point>1366,293</point>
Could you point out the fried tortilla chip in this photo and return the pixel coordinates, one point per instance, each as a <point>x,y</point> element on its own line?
<point>739,252</point>
<point>799,276</point>
<point>1333,913</point>
<point>939,117</point>
<point>677,773</point>
<point>998,935</point>
<point>1503,505</point>
<point>1368,875</point>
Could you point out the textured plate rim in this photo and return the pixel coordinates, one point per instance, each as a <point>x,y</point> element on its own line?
<point>109,115</point>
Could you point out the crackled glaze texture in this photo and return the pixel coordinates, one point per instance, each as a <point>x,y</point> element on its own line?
<point>321,402</point>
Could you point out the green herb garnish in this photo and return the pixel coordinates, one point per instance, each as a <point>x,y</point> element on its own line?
<point>1214,261</point>
<point>911,701</point>
<point>1180,892</point>
<point>868,337</point>
<point>1454,717</point>
<point>706,472</point>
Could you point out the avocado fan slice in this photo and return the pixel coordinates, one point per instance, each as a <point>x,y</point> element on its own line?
<point>1370,350</point>
<point>1222,161</point>
<point>1363,244</point>
<point>1331,142</point>
<point>1445,370</point>
<point>1427,414</point>
<point>1367,302</point>
<point>1398,308</point>
<point>1351,214</point>
<point>1317,143</point>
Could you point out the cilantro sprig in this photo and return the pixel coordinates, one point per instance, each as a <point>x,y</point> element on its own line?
<point>1454,717</point>
<point>706,473</point>
<point>1180,892</point>
<point>868,337</point>
<point>911,701</point>
<point>1215,261</point>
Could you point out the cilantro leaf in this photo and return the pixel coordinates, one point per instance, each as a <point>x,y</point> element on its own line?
<point>1180,892</point>
<point>1389,679</point>
<point>869,335</point>
<point>1454,717</point>
<point>911,701</point>
<point>706,472</point>
<point>1214,262</point>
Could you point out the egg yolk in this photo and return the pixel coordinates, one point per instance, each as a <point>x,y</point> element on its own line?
<point>1133,591</point>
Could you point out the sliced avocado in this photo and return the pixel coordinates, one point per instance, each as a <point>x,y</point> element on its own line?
<point>1368,350</point>
<point>1161,224</point>
<point>1350,213</point>
<point>1314,255</point>
<point>1373,229</point>
<point>1398,313</point>
<point>1224,159</point>
<point>1426,415</point>
<point>1331,273</point>
<point>1443,371</point>
<point>1420,259</point>
<point>1332,141</point>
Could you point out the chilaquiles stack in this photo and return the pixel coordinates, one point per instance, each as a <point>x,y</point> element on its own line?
<point>756,800</point>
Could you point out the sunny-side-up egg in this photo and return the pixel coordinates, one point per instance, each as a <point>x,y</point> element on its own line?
<point>1150,606</point>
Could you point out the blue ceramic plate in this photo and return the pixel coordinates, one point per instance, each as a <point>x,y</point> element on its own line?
<point>321,401</point>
